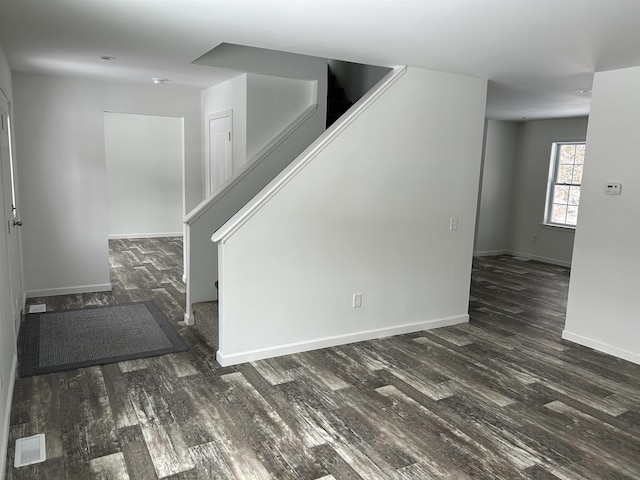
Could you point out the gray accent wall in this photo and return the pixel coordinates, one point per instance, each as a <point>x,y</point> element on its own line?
<point>514,188</point>
<point>492,235</point>
<point>528,237</point>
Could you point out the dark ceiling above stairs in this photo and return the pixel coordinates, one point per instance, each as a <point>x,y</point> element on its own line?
<point>337,102</point>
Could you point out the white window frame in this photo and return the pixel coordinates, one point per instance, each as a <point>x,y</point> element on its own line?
<point>552,182</point>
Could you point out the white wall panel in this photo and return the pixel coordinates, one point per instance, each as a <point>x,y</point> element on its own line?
<point>370,214</point>
<point>61,167</point>
<point>143,155</point>
<point>602,311</point>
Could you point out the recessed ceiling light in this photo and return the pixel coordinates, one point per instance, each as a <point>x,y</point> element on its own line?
<point>159,81</point>
<point>108,58</point>
<point>585,90</point>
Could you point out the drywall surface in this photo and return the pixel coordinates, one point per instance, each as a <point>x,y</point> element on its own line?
<point>61,168</point>
<point>602,310</point>
<point>369,214</point>
<point>528,236</point>
<point>5,76</point>
<point>355,78</point>
<point>264,61</point>
<point>272,104</point>
<point>143,155</point>
<point>229,95</point>
<point>8,352</point>
<point>492,234</point>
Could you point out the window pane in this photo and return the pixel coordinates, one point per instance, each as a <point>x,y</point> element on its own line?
<point>572,215</point>
<point>574,196</point>
<point>577,174</point>
<point>565,174</point>
<point>561,194</point>
<point>567,154</point>
<point>563,190</point>
<point>580,149</point>
<point>559,213</point>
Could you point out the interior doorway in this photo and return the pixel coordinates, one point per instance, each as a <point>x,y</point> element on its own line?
<point>144,157</point>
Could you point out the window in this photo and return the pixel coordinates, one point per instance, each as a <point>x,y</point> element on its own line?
<point>565,181</point>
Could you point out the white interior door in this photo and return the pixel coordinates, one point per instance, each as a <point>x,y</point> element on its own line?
<point>220,164</point>
<point>10,212</point>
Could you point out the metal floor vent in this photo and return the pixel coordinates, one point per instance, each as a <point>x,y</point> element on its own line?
<point>39,308</point>
<point>30,450</point>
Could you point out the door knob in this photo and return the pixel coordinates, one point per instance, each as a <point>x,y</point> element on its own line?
<point>17,223</point>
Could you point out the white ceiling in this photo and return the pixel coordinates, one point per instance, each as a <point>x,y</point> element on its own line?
<point>537,54</point>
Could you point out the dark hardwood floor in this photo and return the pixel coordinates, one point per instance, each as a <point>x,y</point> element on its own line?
<point>499,398</point>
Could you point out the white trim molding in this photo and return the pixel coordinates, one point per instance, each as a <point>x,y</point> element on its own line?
<point>279,350</point>
<point>124,236</point>
<point>526,256</point>
<point>4,428</point>
<point>49,292</point>
<point>203,206</point>
<point>601,346</point>
<point>539,258</point>
<point>491,253</point>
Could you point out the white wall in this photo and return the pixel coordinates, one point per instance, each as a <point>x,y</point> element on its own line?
<point>229,95</point>
<point>602,310</point>
<point>369,214</point>
<point>492,234</point>
<point>528,237</point>
<point>8,351</point>
<point>143,155</point>
<point>264,61</point>
<point>272,104</point>
<point>61,166</point>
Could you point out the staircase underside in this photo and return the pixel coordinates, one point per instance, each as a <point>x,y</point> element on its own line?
<point>206,322</point>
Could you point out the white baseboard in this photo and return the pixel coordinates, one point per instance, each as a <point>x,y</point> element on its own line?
<point>270,352</point>
<point>4,428</point>
<point>601,347</point>
<point>529,256</point>
<point>50,292</point>
<point>124,236</point>
<point>490,253</point>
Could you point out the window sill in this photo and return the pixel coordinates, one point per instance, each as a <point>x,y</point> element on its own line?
<point>562,228</point>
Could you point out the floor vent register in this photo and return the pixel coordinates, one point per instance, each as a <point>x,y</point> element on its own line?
<point>30,450</point>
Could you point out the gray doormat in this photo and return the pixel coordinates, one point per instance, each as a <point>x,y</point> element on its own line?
<point>69,339</point>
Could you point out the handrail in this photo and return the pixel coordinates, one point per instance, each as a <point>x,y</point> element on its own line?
<point>203,206</point>
<point>250,209</point>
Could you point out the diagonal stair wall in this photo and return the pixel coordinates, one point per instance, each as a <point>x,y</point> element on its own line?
<point>367,209</point>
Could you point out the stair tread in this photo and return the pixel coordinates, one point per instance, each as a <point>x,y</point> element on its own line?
<point>206,321</point>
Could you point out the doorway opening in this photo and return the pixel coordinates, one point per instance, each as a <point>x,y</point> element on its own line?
<point>144,157</point>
